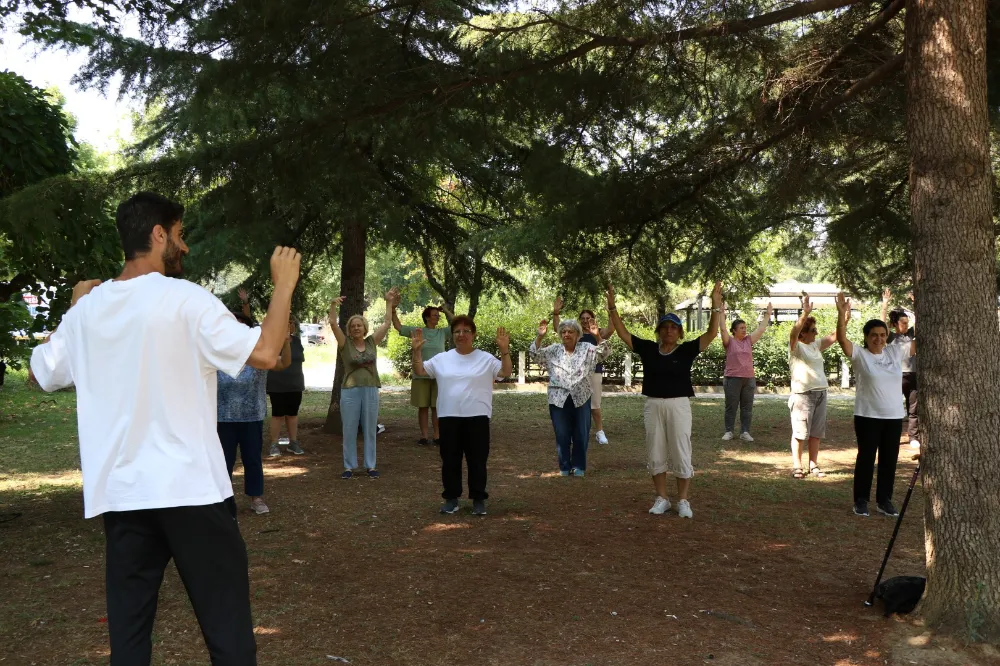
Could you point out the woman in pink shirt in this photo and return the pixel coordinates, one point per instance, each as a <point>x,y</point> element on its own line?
<point>739,381</point>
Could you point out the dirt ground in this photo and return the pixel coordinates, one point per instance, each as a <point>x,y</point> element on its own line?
<point>563,571</point>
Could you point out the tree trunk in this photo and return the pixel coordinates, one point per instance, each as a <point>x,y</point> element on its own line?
<point>956,296</point>
<point>352,285</point>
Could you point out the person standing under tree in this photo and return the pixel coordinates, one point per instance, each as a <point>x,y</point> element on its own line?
<point>142,351</point>
<point>465,406</point>
<point>666,383</point>
<point>902,334</point>
<point>595,335</point>
<point>739,380</point>
<point>359,393</point>
<point>807,402</point>
<point>878,411</point>
<point>285,388</point>
<point>423,390</point>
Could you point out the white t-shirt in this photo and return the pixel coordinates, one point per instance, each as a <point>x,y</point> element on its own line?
<point>879,393</point>
<point>805,362</point>
<point>464,382</point>
<point>143,354</point>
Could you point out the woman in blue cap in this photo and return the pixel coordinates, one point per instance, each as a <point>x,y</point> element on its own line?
<point>666,383</point>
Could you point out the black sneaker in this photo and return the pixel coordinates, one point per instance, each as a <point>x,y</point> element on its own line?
<point>437,441</point>
<point>347,474</point>
<point>423,441</point>
<point>886,509</point>
<point>373,474</point>
<point>479,508</point>
<point>861,508</point>
<point>450,506</point>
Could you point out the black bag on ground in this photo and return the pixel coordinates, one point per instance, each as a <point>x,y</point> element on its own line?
<point>901,594</point>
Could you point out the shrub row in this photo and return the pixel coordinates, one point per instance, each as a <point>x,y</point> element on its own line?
<point>770,352</point>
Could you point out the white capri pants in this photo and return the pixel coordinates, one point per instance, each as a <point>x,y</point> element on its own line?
<point>596,384</point>
<point>668,436</point>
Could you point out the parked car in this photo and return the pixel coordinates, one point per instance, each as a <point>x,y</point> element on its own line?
<point>312,334</point>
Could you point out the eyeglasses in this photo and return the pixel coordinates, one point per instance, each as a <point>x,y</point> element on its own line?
<point>461,331</point>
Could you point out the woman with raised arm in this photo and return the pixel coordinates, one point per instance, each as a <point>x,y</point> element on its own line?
<point>242,406</point>
<point>807,403</point>
<point>666,383</point>
<point>595,335</point>
<point>358,351</point>
<point>570,366</point>
<point>465,377</point>
<point>878,411</point>
<point>423,390</point>
<point>739,380</point>
<point>901,334</point>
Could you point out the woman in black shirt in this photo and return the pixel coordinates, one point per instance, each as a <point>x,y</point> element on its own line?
<point>666,383</point>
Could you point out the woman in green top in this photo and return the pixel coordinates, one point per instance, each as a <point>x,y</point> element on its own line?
<point>359,389</point>
<point>423,390</point>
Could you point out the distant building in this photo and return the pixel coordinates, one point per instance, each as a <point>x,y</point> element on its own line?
<point>785,298</point>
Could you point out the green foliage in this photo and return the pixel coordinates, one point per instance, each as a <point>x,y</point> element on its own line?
<point>35,140</point>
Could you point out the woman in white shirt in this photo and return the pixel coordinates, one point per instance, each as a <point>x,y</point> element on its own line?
<point>464,405</point>
<point>570,366</point>
<point>878,408</point>
<point>807,402</point>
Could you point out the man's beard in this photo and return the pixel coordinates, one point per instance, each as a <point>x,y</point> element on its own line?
<point>172,259</point>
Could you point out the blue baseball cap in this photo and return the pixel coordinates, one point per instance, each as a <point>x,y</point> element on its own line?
<point>669,318</point>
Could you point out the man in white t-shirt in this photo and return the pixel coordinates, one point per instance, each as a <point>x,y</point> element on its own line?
<point>142,351</point>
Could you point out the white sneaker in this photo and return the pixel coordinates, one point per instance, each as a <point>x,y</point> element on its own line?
<point>257,506</point>
<point>914,444</point>
<point>728,436</point>
<point>660,506</point>
<point>601,437</point>
<point>684,509</point>
<point>746,437</point>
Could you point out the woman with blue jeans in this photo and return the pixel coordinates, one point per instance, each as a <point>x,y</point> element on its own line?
<point>570,366</point>
<point>242,406</point>
<point>359,389</point>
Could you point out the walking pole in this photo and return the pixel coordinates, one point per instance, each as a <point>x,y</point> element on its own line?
<point>899,521</point>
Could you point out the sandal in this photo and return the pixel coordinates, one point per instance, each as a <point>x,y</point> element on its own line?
<point>797,473</point>
<point>816,471</point>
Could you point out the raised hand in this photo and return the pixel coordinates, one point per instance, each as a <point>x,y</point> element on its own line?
<point>285,266</point>
<point>244,296</point>
<point>335,305</point>
<point>557,306</point>
<point>543,328</point>
<point>886,296</point>
<point>503,340</point>
<point>717,295</point>
<point>611,296</point>
<point>770,310</point>
<point>392,298</point>
<point>806,304</point>
<point>417,339</point>
<point>843,303</point>
<point>81,289</point>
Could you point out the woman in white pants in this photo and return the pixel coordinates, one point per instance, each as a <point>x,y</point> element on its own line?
<point>666,383</point>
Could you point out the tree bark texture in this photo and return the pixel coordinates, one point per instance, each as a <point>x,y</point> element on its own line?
<point>956,304</point>
<point>352,285</point>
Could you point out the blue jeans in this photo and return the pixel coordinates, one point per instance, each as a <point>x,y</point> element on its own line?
<point>572,426</point>
<point>249,437</point>
<point>359,406</point>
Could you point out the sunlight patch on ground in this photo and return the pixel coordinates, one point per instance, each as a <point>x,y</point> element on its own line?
<point>444,527</point>
<point>23,482</point>
<point>279,471</point>
<point>842,637</point>
<point>266,631</point>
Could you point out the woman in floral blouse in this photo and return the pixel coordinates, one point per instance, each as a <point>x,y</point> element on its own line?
<point>570,367</point>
